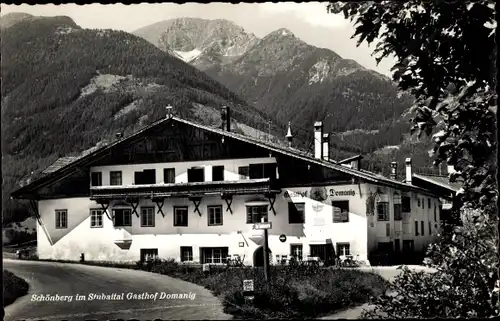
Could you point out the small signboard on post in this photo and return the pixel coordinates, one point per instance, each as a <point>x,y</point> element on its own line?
<point>283,238</point>
<point>248,286</point>
<point>248,289</point>
<point>262,226</point>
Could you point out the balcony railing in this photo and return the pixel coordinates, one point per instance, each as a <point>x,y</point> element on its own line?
<point>193,189</point>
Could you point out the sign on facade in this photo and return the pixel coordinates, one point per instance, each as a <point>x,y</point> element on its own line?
<point>331,193</point>
<point>247,285</point>
<point>262,226</point>
<point>283,238</point>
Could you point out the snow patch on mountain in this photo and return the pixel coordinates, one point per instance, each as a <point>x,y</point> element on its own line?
<point>187,56</point>
<point>319,72</point>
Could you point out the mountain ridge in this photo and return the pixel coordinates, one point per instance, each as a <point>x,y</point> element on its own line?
<point>66,89</point>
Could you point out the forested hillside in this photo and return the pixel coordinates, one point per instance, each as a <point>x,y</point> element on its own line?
<point>65,89</point>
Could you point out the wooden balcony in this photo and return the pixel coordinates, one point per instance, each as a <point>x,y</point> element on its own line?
<point>193,189</point>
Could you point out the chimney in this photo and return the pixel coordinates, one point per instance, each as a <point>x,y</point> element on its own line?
<point>169,111</point>
<point>394,170</point>
<point>409,173</point>
<point>355,164</point>
<point>318,138</point>
<point>289,136</point>
<point>326,146</point>
<point>225,115</point>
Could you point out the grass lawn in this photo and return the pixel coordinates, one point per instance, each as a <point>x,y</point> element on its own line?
<point>13,287</point>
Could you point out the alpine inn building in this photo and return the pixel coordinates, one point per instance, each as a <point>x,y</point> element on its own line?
<point>177,189</point>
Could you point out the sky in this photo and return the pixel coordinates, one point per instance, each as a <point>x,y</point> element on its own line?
<point>308,21</point>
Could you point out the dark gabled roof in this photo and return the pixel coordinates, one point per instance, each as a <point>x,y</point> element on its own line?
<point>289,151</point>
<point>441,181</point>
<point>59,163</point>
<point>348,160</point>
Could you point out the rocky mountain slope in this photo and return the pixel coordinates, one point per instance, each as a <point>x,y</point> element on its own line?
<point>283,76</point>
<point>201,42</point>
<point>66,89</point>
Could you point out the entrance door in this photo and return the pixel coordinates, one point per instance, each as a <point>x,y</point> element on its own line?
<point>408,247</point>
<point>397,250</point>
<point>258,256</point>
<point>324,251</point>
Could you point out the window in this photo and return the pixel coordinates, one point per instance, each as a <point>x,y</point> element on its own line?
<point>147,176</point>
<point>296,251</point>
<point>416,228</point>
<point>262,170</point>
<point>406,204</point>
<point>169,175</point>
<point>96,179</point>
<point>186,253</point>
<point>243,171</point>
<point>343,249</point>
<point>435,212</point>
<point>296,213</point>
<point>147,216</point>
<point>96,218</point>
<point>418,202</point>
<point>256,213</point>
<point>429,203</point>
<point>214,255</point>
<point>214,215</point>
<point>217,173</point>
<point>180,216</point>
<point>115,178</point>
<point>430,228</point>
<point>423,202</point>
<point>398,213</point>
<point>196,174</point>
<point>340,211</point>
<point>388,229</point>
<point>148,254</point>
<point>61,218</point>
<point>422,227</point>
<point>122,217</point>
<point>383,211</point>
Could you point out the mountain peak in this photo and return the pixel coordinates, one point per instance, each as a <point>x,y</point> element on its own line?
<point>282,32</point>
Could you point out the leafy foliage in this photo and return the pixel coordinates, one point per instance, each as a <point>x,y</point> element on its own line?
<point>446,57</point>
<point>466,271</point>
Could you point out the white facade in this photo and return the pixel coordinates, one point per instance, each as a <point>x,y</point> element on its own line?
<point>360,234</point>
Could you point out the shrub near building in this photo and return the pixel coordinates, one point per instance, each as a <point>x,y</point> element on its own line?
<point>293,292</point>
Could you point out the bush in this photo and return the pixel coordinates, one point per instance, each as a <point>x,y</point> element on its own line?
<point>294,292</point>
<point>466,266</point>
<point>14,287</point>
